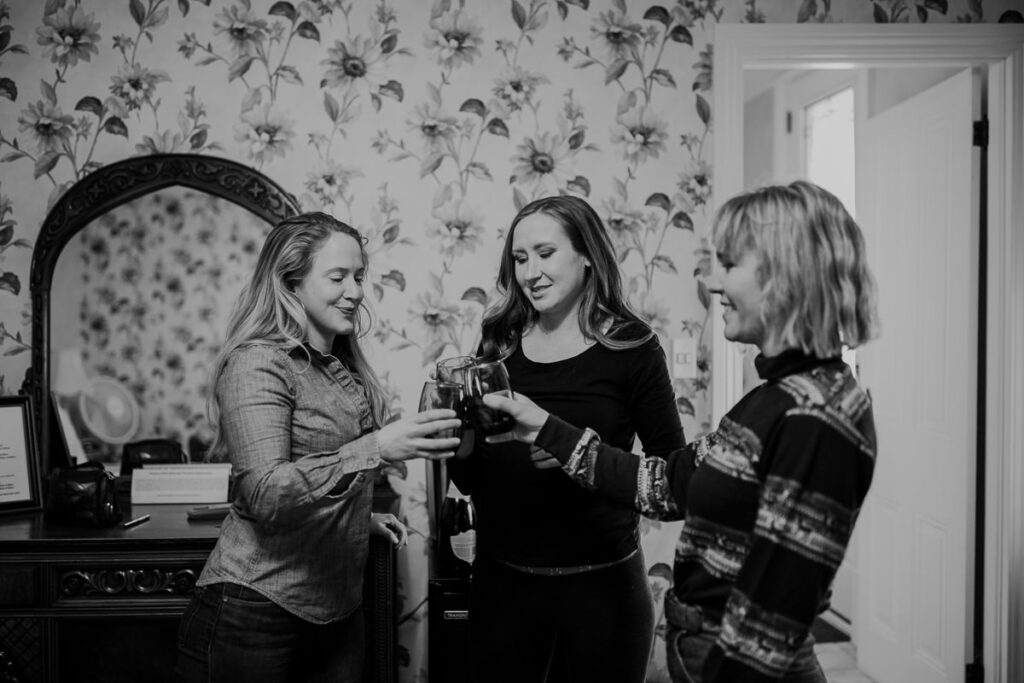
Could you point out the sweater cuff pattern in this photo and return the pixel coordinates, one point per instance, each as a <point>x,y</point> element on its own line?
<point>653,493</point>
<point>581,464</point>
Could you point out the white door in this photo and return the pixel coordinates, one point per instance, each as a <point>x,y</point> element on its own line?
<point>918,203</point>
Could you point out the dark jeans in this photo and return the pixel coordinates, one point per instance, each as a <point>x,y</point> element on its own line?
<point>686,653</point>
<point>601,622</point>
<point>230,633</point>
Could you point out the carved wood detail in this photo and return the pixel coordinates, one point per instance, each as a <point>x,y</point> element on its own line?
<point>150,581</point>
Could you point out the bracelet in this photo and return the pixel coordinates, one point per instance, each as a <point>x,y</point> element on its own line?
<point>580,465</point>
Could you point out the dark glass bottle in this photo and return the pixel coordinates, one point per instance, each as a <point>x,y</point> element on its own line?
<point>457,538</point>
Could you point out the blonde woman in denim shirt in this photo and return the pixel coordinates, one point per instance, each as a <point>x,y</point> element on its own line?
<point>302,420</point>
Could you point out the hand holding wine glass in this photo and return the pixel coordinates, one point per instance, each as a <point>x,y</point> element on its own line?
<point>527,415</point>
<point>438,394</point>
<point>529,419</point>
<point>413,436</point>
<point>481,379</point>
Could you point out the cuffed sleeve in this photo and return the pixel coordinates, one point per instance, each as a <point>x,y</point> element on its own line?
<point>654,486</point>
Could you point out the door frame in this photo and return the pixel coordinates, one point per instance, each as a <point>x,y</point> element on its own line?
<point>1001,48</point>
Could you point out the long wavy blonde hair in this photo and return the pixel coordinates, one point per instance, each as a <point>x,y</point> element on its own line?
<point>269,313</point>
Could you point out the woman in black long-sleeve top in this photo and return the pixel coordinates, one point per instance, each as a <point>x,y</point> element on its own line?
<point>557,564</point>
<point>770,498</point>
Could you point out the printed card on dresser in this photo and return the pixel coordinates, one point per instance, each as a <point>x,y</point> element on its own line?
<point>187,483</point>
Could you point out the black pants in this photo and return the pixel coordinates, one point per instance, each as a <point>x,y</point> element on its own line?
<point>600,623</point>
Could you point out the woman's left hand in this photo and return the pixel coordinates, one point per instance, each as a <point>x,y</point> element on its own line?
<point>387,525</point>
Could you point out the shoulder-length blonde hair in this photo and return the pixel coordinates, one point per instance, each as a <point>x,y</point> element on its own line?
<point>604,314</point>
<point>269,313</point>
<point>819,294</point>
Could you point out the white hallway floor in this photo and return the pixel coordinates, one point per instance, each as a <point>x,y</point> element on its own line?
<point>839,661</point>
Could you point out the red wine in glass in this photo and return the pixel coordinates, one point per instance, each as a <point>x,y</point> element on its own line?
<point>437,394</point>
<point>482,378</point>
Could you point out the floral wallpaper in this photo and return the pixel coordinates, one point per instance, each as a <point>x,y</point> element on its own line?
<point>425,124</point>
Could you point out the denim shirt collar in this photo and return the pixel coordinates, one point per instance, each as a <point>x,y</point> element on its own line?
<point>314,353</point>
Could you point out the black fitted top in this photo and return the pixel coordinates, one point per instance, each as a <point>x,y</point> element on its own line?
<point>541,518</point>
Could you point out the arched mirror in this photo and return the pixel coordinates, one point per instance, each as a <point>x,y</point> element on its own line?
<point>133,275</point>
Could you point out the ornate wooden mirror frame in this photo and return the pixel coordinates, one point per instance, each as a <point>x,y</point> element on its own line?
<point>101,191</point>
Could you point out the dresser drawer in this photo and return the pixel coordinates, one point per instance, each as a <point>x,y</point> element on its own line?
<point>19,585</point>
<point>92,584</point>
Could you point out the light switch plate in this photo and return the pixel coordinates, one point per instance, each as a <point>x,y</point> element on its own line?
<point>684,357</point>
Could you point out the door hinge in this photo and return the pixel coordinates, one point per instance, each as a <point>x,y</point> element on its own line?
<point>974,673</point>
<point>980,137</point>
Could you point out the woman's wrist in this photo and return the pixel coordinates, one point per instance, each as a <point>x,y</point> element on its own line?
<point>558,437</point>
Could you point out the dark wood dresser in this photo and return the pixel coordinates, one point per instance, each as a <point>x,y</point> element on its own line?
<point>102,605</point>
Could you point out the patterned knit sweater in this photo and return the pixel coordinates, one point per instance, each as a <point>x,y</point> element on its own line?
<point>770,499</point>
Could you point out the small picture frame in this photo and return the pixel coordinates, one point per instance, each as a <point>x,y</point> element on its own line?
<point>20,485</point>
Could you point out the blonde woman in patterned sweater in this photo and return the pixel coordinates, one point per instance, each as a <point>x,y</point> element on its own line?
<point>770,498</point>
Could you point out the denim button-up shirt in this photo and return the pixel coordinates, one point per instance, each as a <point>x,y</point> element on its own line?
<point>301,438</point>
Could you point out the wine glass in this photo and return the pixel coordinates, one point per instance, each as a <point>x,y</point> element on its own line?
<point>451,369</point>
<point>437,394</point>
<point>479,379</point>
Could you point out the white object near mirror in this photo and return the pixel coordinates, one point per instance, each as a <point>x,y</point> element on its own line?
<point>70,378</point>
